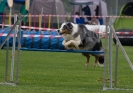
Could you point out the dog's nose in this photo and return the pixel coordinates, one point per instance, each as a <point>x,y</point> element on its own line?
<point>58,31</point>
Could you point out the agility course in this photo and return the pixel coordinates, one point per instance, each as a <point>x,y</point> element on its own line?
<point>28,38</point>
<point>52,50</point>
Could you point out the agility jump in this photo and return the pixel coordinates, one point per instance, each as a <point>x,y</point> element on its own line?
<point>75,51</point>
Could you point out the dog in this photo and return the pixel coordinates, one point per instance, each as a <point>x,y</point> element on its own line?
<point>78,37</point>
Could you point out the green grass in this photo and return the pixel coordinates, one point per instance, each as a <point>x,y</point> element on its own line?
<point>52,72</point>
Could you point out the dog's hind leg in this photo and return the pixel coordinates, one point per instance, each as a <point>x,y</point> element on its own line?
<point>96,61</point>
<point>87,59</point>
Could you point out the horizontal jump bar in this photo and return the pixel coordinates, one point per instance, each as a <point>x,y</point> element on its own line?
<point>57,50</point>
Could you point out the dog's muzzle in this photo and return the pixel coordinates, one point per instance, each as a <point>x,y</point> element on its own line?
<point>60,32</point>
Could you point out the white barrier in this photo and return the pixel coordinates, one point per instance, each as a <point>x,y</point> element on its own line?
<point>100,29</point>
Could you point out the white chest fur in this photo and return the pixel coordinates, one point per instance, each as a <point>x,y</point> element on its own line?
<point>70,37</point>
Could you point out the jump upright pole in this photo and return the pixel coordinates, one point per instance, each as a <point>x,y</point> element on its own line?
<point>19,46</point>
<point>13,50</point>
<point>105,54</point>
<point>110,56</point>
<point>112,34</point>
<point>17,68</point>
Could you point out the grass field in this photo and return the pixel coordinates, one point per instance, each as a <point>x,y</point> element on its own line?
<point>52,72</point>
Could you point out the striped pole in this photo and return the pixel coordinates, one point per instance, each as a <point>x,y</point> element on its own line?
<point>27,3</point>
<point>49,21</point>
<point>29,17</point>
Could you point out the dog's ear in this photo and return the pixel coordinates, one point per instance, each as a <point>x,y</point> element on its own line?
<point>70,25</point>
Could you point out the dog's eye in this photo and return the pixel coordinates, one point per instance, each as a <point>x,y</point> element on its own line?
<point>65,27</point>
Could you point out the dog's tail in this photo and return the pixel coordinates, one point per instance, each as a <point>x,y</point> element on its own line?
<point>101,60</point>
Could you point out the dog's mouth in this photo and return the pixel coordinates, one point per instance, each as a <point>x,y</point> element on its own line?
<point>61,33</point>
<point>64,32</point>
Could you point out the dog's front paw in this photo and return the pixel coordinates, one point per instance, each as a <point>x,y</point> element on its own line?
<point>76,47</point>
<point>67,47</point>
<point>63,43</point>
<point>73,46</point>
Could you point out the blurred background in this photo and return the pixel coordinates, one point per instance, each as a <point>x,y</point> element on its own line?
<point>113,6</point>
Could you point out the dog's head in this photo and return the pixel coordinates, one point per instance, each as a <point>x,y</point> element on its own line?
<point>66,28</point>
